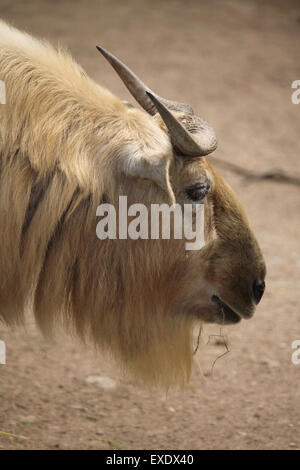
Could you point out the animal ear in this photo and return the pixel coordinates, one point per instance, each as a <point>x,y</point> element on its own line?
<point>150,165</point>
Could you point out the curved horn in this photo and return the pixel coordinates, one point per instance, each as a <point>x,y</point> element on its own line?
<point>203,140</point>
<point>201,143</point>
<point>138,89</point>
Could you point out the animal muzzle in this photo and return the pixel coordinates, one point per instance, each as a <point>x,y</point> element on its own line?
<point>230,314</point>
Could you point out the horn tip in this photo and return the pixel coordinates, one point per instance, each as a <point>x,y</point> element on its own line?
<point>102,50</point>
<point>152,97</point>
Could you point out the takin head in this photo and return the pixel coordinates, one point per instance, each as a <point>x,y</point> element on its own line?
<point>224,281</point>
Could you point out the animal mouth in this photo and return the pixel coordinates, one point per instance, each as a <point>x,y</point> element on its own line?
<point>227,315</point>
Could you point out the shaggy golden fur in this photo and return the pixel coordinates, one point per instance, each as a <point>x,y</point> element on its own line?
<point>67,144</point>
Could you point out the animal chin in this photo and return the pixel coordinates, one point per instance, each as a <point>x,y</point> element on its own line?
<point>227,316</point>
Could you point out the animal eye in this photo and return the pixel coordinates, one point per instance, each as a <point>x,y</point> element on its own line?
<point>198,191</point>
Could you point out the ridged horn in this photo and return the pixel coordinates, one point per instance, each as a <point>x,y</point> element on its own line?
<point>138,89</point>
<point>194,139</point>
<point>201,143</point>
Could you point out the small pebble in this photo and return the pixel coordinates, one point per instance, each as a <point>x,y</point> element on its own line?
<point>104,382</point>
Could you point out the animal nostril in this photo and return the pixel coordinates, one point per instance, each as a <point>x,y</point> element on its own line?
<point>258,290</point>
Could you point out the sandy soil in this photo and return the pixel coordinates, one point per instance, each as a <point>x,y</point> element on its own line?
<point>234,62</point>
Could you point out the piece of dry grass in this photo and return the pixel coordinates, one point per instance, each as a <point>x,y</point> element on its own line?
<point>219,340</point>
<point>17,436</point>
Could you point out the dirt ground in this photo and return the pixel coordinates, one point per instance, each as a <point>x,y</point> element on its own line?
<point>234,61</point>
